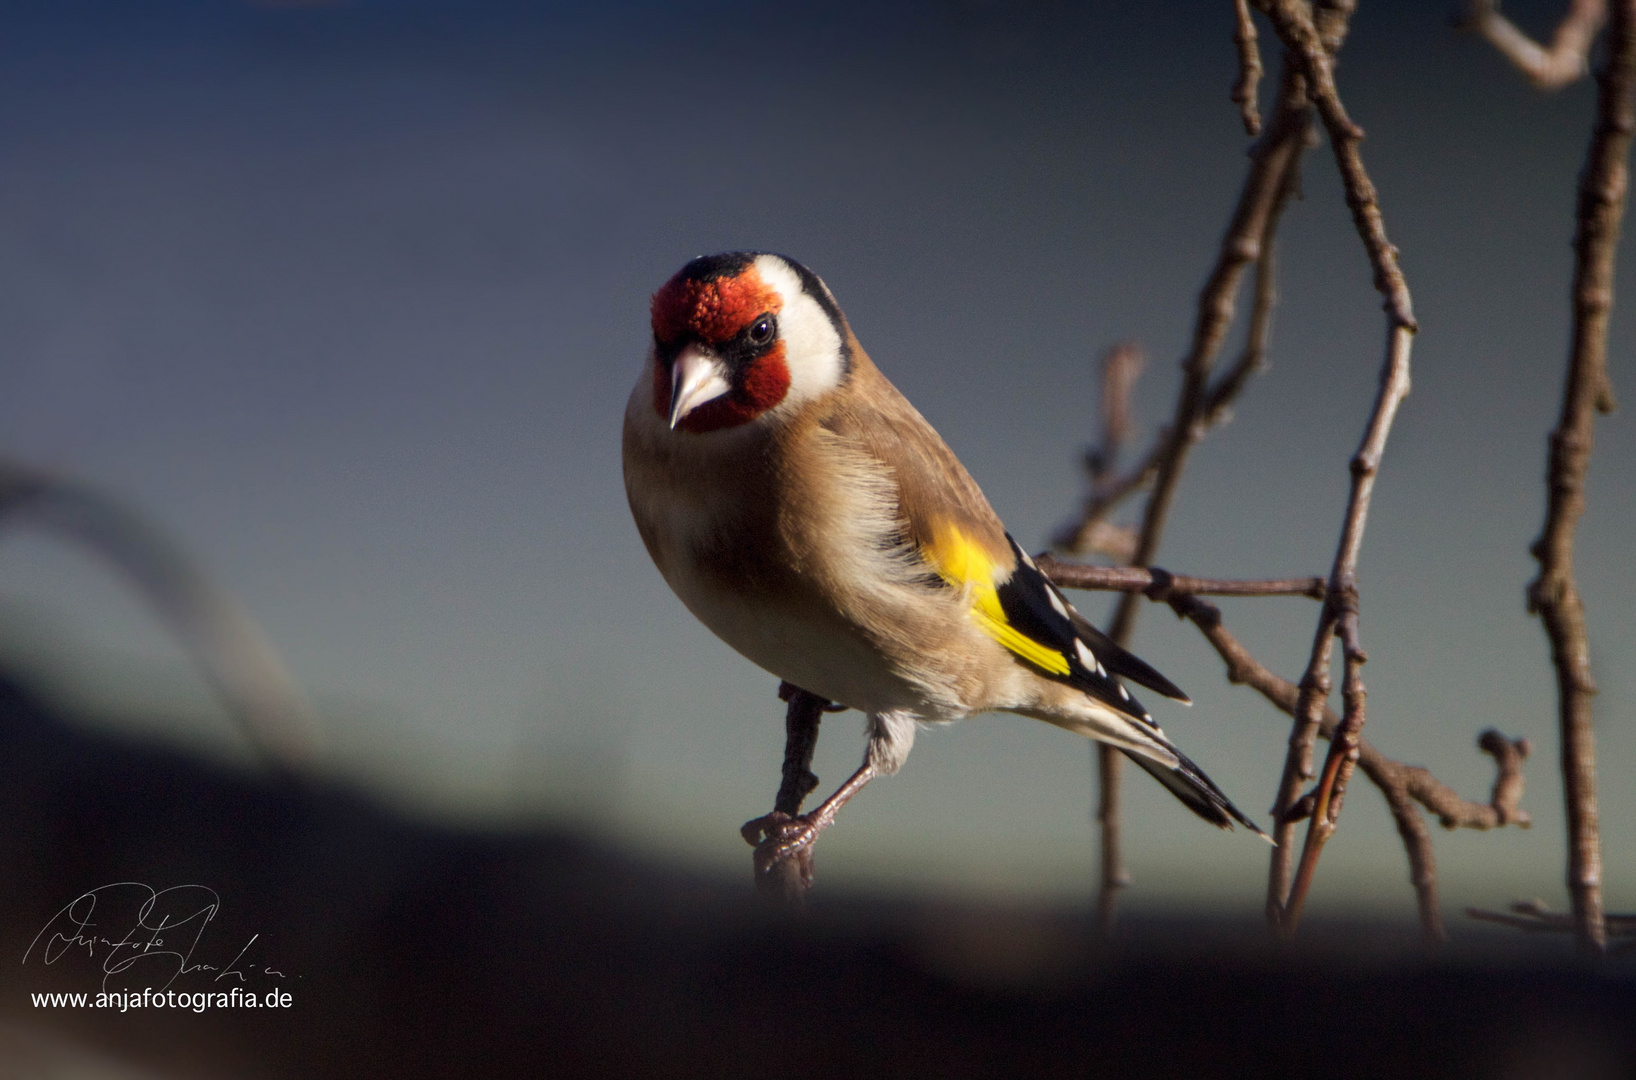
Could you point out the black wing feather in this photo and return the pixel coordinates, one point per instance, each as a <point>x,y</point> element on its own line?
<point>1037,608</point>
<point>1120,662</point>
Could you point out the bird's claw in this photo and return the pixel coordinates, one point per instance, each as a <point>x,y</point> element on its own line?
<point>780,833</point>
<point>778,837</point>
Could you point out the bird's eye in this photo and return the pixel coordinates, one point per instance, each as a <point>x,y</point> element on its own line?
<point>762,330</point>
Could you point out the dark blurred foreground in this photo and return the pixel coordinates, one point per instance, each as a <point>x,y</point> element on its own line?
<point>415,950</point>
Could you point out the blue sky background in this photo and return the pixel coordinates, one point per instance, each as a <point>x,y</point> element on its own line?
<point>349,298</point>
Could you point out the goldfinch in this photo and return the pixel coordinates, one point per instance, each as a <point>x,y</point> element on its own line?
<point>802,509</point>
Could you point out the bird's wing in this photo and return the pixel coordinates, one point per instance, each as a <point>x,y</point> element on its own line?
<point>1089,661</point>
<point>954,530</point>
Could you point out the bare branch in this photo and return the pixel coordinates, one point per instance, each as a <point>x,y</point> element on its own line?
<point>1078,538</point>
<point>1534,916</point>
<point>1264,190</point>
<point>1403,785</point>
<point>1117,542</point>
<point>1121,367</point>
<point>1272,180</point>
<point>1249,68</point>
<point>1253,360</point>
<point>1092,534</point>
<point>787,878</point>
<point>232,653</point>
<point>1274,162</point>
<point>1548,68</point>
<point>1306,43</point>
<point>1508,754</point>
<point>1109,785</point>
<point>1158,584</point>
<point>1554,595</point>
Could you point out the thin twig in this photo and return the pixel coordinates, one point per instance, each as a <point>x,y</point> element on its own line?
<point>1249,68</point>
<point>1273,179</point>
<point>232,653</point>
<point>787,879</point>
<point>1091,533</point>
<point>1554,595</point>
<point>1548,68</point>
<point>1121,367</point>
<point>1157,584</point>
<point>1533,916</point>
<point>1303,40</point>
<point>1403,786</point>
<point>1079,537</point>
<point>1253,360</point>
<point>1117,542</point>
<point>1274,161</point>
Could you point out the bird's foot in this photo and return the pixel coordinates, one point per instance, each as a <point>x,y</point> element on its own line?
<point>783,841</point>
<point>783,855</point>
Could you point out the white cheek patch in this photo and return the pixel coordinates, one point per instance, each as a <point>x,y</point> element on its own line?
<point>812,345</point>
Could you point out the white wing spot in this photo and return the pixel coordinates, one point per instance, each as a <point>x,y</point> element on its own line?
<point>1086,657</point>
<point>1126,695</point>
<point>1056,602</point>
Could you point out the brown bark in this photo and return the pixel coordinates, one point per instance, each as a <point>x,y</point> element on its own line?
<point>1554,594</point>
<point>1306,40</point>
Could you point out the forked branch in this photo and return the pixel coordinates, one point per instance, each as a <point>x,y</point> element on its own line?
<point>1549,67</point>
<point>1274,167</point>
<point>1404,786</point>
<point>1306,43</point>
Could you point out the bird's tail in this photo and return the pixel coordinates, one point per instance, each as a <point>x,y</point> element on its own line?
<point>1189,784</point>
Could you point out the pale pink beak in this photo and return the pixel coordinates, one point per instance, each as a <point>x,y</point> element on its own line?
<point>697,377</point>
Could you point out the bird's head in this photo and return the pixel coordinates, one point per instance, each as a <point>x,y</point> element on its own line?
<point>739,336</point>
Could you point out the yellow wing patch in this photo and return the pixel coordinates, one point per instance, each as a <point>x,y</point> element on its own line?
<point>965,565</point>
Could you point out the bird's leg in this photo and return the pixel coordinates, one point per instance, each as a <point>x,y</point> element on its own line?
<point>783,839</point>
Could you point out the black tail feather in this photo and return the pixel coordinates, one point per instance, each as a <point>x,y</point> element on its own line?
<point>1188,783</point>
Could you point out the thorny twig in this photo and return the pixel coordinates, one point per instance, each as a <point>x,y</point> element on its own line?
<point>1554,595</point>
<point>233,655</point>
<point>1549,68</point>
<point>1304,41</point>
